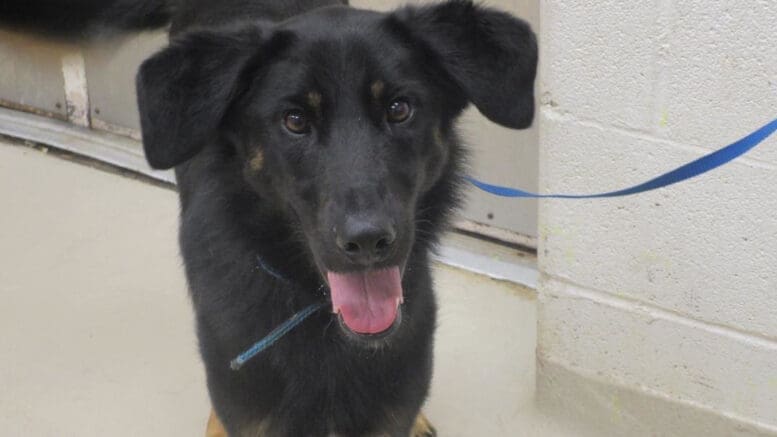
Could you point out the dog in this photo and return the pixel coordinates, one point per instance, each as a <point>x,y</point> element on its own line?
<point>316,157</point>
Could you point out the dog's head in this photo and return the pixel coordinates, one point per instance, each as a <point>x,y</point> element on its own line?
<point>344,118</point>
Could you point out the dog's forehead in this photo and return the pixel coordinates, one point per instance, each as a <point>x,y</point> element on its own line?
<point>341,47</point>
<point>338,30</point>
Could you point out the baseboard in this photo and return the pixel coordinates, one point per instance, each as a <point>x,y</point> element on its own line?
<point>598,407</point>
<point>117,150</point>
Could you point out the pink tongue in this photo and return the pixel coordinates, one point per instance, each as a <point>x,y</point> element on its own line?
<point>367,301</point>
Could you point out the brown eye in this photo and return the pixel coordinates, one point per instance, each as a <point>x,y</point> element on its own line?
<point>296,122</point>
<point>398,111</point>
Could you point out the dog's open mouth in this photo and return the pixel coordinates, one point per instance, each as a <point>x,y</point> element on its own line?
<point>367,301</point>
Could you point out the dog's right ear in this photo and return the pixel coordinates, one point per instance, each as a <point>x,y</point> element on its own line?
<point>185,90</point>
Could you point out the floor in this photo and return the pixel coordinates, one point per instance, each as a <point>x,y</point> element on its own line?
<point>97,336</point>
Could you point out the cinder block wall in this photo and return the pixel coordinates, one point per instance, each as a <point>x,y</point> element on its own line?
<point>658,312</point>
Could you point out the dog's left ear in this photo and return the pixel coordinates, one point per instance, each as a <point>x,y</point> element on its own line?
<point>490,55</point>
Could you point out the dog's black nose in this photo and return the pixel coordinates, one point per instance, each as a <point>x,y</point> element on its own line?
<point>366,240</point>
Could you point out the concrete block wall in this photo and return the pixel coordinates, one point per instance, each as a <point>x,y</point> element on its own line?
<point>658,312</point>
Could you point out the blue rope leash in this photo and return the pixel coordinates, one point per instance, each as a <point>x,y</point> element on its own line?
<point>271,271</point>
<point>275,335</point>
<point>702,165</point>
<point>283,329</point>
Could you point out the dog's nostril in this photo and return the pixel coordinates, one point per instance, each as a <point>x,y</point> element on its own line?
<point>382,244</point>
<point>352,248</point>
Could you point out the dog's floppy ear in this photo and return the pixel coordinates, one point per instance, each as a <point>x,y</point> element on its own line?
<point>185,90</point>
<point>490,55</point>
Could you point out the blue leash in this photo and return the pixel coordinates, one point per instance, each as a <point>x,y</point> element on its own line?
<point>692,169</point>
<point>275,335</point>
<point>282,329</point>
<point>685,172</point>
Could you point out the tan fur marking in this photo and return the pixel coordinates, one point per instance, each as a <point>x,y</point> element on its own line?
<point>215,428</point>
<point>257,162</point>
<point>260,430</point>
<point>422,427</point>
<point>377,89</point>
<point>314,100</point>
<point>438,137</point>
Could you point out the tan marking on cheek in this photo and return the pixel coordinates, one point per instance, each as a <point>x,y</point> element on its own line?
<point>257,161</point>
<point>437,134</point>
<point>437,158</point>
<point>314,100</point>
<point>377,89</point>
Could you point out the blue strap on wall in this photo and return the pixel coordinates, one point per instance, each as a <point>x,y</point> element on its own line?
<point>687,171</point>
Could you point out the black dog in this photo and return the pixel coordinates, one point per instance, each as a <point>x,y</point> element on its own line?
<point>314,144</point>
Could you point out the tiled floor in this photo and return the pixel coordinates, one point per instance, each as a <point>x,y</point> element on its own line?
<point>96,333</point>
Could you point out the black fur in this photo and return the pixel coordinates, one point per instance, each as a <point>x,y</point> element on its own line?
<point>213,105</point>
<point>81,18</point>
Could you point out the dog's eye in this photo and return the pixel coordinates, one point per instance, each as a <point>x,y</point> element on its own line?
<point>398,111</point>
<point>296,122</point>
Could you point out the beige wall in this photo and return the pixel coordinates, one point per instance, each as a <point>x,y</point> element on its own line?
<point>669,296</point>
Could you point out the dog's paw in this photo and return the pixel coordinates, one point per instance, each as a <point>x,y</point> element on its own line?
<point>422,427</point>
